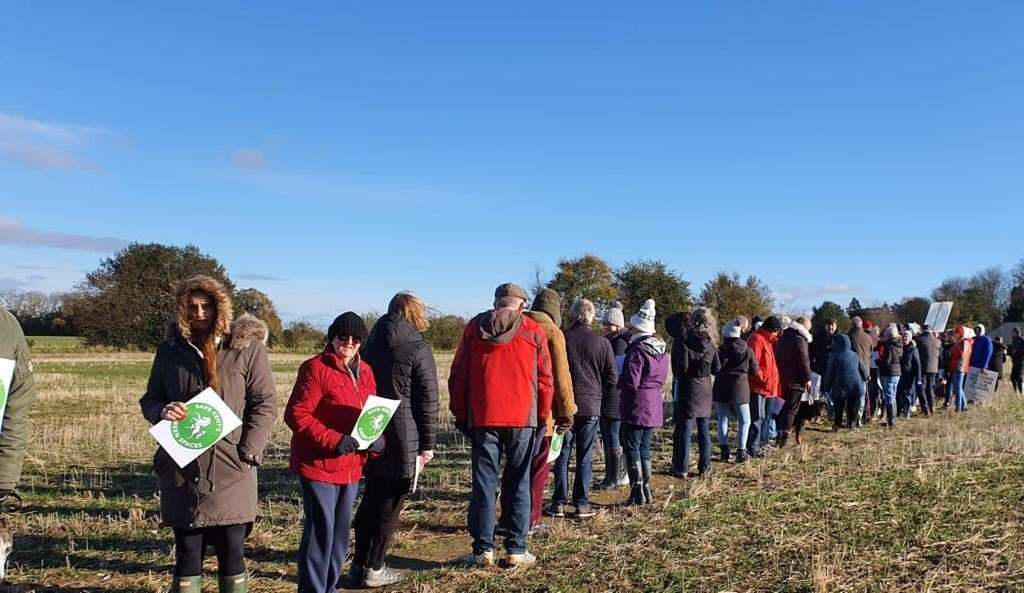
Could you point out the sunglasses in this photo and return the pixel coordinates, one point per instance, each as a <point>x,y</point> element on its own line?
<point>347,339</point>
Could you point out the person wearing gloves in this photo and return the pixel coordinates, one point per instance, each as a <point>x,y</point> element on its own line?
<point>764,384</point>
<point>959,364</point>
<point>330,391</point>
<point>793,357</point>
<point>611,419</point>
<point>890,356</point>
<point>14,436</point>
<point>910,374</point>
<point>981,350</point>
<point>212,500</point>
<point>643,376</point>
<point>844,380</point>
<point>731,391</point>
<point>694,365</point>
<point>403,369</point>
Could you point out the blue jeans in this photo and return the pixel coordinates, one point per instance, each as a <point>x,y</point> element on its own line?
<point>610,433</point>
<point>726,412</point>
<point>636,441</point>
<point>959,395</point>
<point>488,446</point>
<point>327,511</point>
<point>758,424</point>
<point>682,443</point>
<point>583,435</point>
<point>889,387</point>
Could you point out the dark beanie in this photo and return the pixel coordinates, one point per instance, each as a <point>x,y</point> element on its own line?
<point>757,319</point>
<point>348,324</point>
<point>772,324</point>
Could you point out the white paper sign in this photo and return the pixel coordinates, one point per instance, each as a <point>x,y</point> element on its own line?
<point>6,379</point>
<point>980,385</point>
<point>377,412</point>
<point>556,446</point>
<point>416,477</point>
<point>209,420</point>
<point>814,393</point>
<point>938,315</point>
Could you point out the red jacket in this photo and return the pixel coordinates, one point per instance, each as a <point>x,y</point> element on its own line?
<point>766,380</point>
<point>501,383</point>
<point>325,402</point>
<point>960,356</point>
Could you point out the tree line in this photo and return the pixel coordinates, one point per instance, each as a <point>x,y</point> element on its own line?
<point>127,301</point>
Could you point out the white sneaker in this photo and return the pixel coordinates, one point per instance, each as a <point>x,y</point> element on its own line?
<point>523,560</point>
<point>381,578</point>
<point>484,559</point>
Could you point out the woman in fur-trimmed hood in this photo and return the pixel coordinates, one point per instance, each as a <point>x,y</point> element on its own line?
<point>212,500</point>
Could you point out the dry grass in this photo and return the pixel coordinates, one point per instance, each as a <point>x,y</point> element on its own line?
<point>934,505</point>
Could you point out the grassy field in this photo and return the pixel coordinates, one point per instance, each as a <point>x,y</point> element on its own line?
<point>934,505</point>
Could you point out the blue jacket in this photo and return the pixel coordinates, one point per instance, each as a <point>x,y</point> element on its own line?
<point>846,373</point>
<point>981,355</point>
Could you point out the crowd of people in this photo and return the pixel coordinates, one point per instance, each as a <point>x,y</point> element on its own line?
<point>519,386</point>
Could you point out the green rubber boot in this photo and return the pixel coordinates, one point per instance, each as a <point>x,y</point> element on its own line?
<point>187,584</point>
<point>236,584</point>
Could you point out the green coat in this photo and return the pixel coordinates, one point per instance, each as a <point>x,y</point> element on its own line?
<point>14,432</point>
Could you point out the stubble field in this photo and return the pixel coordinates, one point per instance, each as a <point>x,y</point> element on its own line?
<point>935,505</point>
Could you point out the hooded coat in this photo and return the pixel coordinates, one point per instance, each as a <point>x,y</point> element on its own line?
<point>981,352</point>
<point>765,381</point>
<point>862,344</point>
<point>793,357</point>
<point>403,369</point>
<point>501,374</point>
<point>890,356</point>
<point>14,435</point>
<point>592,366</point>
<point>220,486</point>
<point>960,353</point>
<point>929,348</point>
<point>846,373</point>
<point>732,386</point>
<point>694,366</point>
<point>642,380</point>
<point>563,406</point>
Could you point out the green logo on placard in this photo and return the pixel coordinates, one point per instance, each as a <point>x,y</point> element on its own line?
<point>3,396</point>
<point>200,429</point>
<point>372,423</point>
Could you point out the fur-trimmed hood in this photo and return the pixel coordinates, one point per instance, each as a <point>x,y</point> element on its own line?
<point>800,329</point>
<point>221,299</point>
<point>247,330</point>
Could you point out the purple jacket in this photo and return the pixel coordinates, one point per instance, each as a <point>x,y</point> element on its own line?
<point>643,376</point>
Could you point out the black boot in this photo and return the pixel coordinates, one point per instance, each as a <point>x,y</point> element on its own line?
<point>645,468</point>
<point>636,487</point>
<point>725,454</point>
<point>741,457</point>
<point>890,413</point>
<point>611,471</point>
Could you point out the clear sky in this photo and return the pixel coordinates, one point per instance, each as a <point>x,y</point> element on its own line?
<point>333,153</point>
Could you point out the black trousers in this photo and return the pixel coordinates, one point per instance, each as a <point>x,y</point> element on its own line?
<point>1017,375</point>
<point>377,519</point>
<point>227,541</point>
<point>926,391</point>
<point>790,406</point>
<point>850,404</point>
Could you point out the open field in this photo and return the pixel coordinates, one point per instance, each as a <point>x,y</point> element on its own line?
<point>934,505</point>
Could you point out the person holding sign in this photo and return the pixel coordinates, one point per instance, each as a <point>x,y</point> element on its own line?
<point>17,392</point>
<point>211,501</point>
<point>330,392</point>
<point>404,369</point>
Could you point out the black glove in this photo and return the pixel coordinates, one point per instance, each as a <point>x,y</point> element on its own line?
<point>346,445</point>
<point>376,446</point>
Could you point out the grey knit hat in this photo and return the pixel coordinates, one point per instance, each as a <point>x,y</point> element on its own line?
<point>614,316</point>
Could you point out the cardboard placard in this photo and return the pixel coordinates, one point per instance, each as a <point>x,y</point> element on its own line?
<point>938,315</point>
<point>980,385</point>
<point>209,420</point>
<point>6,380</point>
<point>376,414</point>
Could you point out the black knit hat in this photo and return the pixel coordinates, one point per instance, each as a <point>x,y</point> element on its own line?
<point>772,324</point>
<point>348,324</point>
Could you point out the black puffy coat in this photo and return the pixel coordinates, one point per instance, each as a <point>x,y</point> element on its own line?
<point>693,365</point>
<point>998,358</point>
<point>592,367</point>
<point>820,349</point>
<point>610,399</point>
<point>403,366</point>
<point>732,386</point>
<point>890,357</point>
<point>910,367</point>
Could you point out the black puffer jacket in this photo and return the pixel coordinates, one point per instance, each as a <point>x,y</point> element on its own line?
<point>732,385</point>
<point>403,366</point>
<point>610,400</point>
<point>890,357</point>
<point>694,366</point>
<point>592,367</point>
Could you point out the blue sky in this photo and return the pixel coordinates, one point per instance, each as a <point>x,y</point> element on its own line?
<point>331,154</point>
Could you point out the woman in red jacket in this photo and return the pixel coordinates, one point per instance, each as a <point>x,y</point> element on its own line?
<point>329,394</point>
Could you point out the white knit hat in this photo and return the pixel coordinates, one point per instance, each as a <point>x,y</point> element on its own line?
<point>643,320</point>
<point>733,329</point>
<point>614,316</point>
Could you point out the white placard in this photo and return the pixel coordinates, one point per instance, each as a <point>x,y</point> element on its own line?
<point>938,315</point>
<point>814,393</point>
<point>6,380</point>
<point>377,412</point>
<point>980,385</point>
<point>209,420</point>
<point>555,449</point>
<point>416,476</point>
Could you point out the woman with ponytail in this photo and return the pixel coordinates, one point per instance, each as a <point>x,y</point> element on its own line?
<point>212,500</point>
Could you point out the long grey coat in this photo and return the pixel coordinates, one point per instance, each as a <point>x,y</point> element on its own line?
<point>218,488</point>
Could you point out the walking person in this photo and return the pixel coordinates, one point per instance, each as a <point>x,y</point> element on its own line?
<point>14,436</point>
<point>592,366</point>
<point>959,364</point>
<point>212,500</point>
<point>403,369</point>
<point>1016,351</point>
<point>611,419</point>
<point>929,348</point>
<point>795,376</point>
<point>731,390</point>
<point>329,393</point>
<point>501,389</point>
<point>695,370</point>
<point>910,374</point>
<point>764,384</point>
<point>844,380</point>
<point>643,376</point>
<point>890,355</point>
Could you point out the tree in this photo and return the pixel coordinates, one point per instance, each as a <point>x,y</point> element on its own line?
<point>881,316</point>
<point>728,298</point>
<point>854,308</point>
<point>829,310</point>
<point>39,314</point>
<point>652,279</point>
<point>1015,310</point>
<point>981,298</point>
<point>129,299</point>
<point>587,276</point>
<point>258,304</point>
<point>444,332</point>
<point>303,336</point>
<point>913,310</point>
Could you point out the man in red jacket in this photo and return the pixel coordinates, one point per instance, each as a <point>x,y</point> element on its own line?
<point>764,384</point>
<point>501,391</point>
